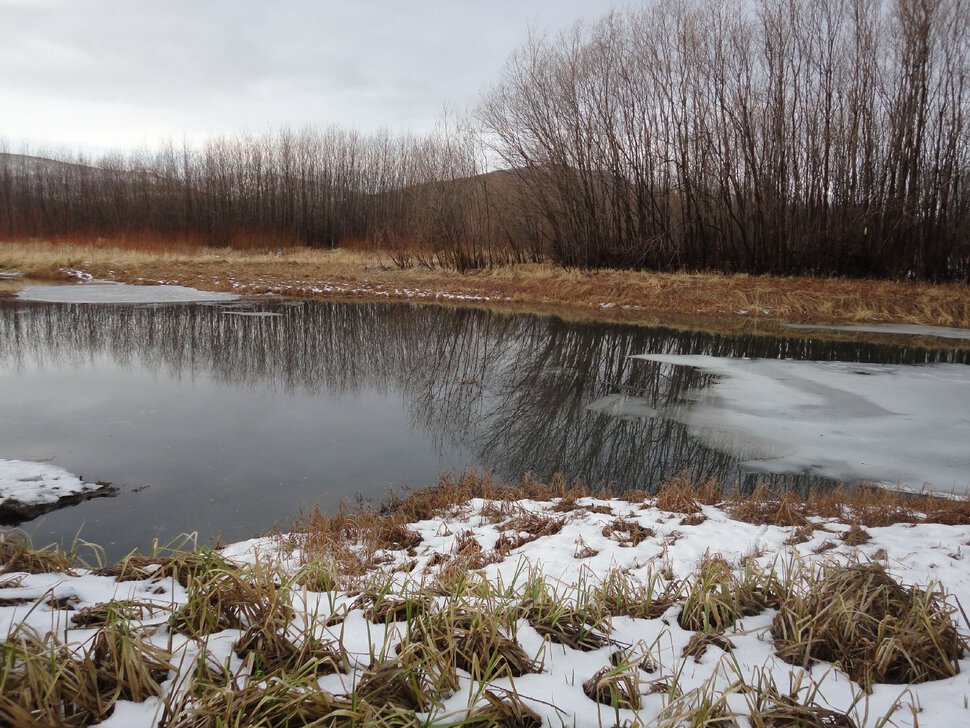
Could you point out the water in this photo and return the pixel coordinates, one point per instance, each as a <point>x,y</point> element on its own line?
<point>216,422</point>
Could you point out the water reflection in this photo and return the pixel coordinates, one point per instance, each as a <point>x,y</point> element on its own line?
<point>509,393</point>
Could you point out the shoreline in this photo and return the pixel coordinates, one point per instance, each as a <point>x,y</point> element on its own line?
<point>691,299</point>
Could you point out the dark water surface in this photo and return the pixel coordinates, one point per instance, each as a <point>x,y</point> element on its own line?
<point>211,419</point>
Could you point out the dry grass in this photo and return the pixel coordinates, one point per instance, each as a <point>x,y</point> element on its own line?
<point>868,506</point>
<point>182,566</point>
<point>471,640</point>
<point>719,595</point>
<point>340,548</point>
<point>561,620</point>
<point>700,642</point>
<point>607,294</point>
<point>502,711</point>
<point>43,682</point>
<point>875,629</point>
<point>617,686</point>
<point>680,495</point>
<point>283,701</point>
<point>228,598</point>
<point>856,536</point>
<point>620,595</point>
<point>355,540</point>
<point>627,533</point>
<point>99,615</point>
<point>526,528</point>
<point>393,684</point>
<point>786,712</point>
<point>18,554</point>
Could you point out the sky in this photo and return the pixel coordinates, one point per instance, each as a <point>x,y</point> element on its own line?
<point>99,75</point>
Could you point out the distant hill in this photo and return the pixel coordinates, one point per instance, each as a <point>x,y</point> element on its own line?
<point>40,164</point>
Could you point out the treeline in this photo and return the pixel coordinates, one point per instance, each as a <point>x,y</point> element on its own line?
<point>418,198</point>
<point>781,136</point>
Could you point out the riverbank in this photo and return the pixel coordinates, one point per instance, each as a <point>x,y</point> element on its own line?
<point>611,295</point>
<point>473,603</point>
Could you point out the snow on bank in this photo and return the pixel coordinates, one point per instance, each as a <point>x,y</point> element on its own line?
<point>26,484</point>
<point>903,426</point>
<point>583,550</point>
<point>106,292</point>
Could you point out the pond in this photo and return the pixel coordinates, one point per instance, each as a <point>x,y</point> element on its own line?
<point>232,417</point>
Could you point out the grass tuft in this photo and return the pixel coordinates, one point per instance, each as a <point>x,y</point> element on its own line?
<point>17,554</point>
<point>501,711</point>
<point>617,686</point>
<point>717,596</point>
<point>875,629</point>
<point>561,620</point>
<point>697,646</point>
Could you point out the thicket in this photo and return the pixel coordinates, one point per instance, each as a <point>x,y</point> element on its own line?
<point>780,136</point>
<point>418,198</point>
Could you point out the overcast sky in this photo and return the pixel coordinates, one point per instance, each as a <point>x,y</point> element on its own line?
<point>112,74</point>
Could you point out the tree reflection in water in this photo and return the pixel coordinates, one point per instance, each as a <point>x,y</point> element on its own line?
<point>513,389</point>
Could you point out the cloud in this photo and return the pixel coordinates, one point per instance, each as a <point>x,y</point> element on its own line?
<point>108,73</point>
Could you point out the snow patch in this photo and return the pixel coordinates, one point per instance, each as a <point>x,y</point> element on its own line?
<point>31,483</point>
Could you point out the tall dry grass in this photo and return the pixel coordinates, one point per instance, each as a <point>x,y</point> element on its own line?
<point>607,294</point>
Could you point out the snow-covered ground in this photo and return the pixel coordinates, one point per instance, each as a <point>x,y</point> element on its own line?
<point>107,292</point>
<point>584,550</point>
<point>903,426</point>
<point>25,483</point>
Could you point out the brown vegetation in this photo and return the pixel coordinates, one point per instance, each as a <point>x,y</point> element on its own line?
<point>351,542</point>
<point>875,629</point>
<point>691,298</point>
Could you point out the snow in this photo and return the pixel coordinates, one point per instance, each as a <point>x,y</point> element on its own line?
<point>922,554</point>
<point>942,332</point>
<point>33,483</point>
<point>903,426</point>
<point>106,292</point>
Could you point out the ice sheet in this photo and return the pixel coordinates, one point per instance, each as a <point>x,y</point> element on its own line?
<point>102,292</point>
<point>904,426</point>
<point>941,332</point>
